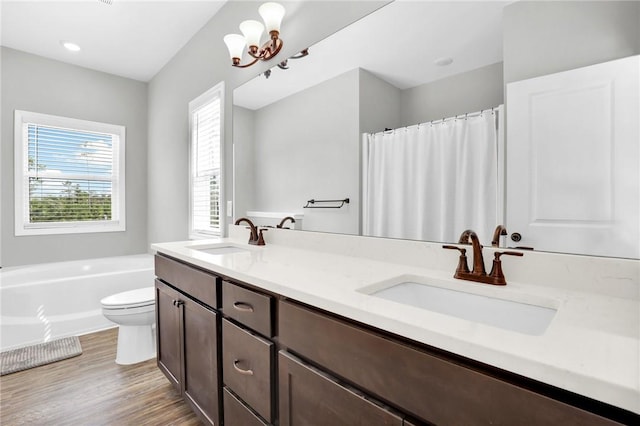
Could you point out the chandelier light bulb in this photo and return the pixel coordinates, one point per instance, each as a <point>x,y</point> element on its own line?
<point>272,14</point>
<point>235,43</point>
<point>252,31</point>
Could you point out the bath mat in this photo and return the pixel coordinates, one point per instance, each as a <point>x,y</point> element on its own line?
<point>40,354</point>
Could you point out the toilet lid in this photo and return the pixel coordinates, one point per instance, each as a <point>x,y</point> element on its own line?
<point>130,299</point>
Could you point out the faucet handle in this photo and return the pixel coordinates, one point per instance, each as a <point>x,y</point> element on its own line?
<point>497,254</point>
<point>496,276</point>
<point>462,260</point>
<point>260,236</point>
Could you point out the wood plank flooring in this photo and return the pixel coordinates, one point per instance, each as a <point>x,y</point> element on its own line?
<point>92,389</point>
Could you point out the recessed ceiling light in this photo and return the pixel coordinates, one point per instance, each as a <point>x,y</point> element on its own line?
<point>443,62</point>
<point>72,47</point>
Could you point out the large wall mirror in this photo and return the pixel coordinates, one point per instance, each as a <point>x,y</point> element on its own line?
<point>298,129</point>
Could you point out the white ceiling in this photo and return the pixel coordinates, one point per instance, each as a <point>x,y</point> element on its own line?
<point>133,39</point>
<point>398,43</point>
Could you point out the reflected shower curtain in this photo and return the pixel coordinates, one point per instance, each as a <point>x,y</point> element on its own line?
<point>432,181</point>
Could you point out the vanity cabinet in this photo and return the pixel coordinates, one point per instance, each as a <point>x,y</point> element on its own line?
<point>248,356</point>
<point>169,342</point>
<point>236,412</point>
<point>425,384</point>
<point>256,358</point>
<point>247,367</point>
<point>308,396</point>
<point>187,335</point>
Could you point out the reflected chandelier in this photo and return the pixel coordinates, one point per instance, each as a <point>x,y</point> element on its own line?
<point>272,14</point>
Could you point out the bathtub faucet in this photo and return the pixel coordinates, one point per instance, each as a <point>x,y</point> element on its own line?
<point>255,237</point>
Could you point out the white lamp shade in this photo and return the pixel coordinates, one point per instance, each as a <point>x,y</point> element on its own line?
<point>252,31</point>
<point>272,14</point>
<point>235,43</point>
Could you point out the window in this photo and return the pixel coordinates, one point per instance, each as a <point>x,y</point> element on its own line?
<point>69,175</point>
<point>205,116</point>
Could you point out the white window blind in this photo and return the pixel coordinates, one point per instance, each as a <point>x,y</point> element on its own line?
<point>69,175</point>
<point>205,121</point>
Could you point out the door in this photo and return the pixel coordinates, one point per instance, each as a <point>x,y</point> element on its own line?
<point>572,160</point>
<point>168,335</point>
<point>201,380</point>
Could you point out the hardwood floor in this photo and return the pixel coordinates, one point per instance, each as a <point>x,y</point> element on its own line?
<point>92,389</point>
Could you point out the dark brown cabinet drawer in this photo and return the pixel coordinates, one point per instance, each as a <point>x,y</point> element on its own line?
<point>308,397</point>
<point>425,385</point>
<point>196,283</point>
<point>237,414</point>
<point>247,307</point>
<point>248,368</point>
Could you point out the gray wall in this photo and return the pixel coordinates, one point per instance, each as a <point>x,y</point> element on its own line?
<point>540,38</point>
<point>547,37</point>
<point>37,84</point>
<point>243,160</point>
<point>306,146</point>
<point>379,102</point>
<point>201,64</point>
<point>470,91</point>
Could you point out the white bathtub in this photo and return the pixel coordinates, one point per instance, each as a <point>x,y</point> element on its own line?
<point>52,300</point>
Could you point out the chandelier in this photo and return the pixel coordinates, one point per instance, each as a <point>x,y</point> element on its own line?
<point>272,14</point>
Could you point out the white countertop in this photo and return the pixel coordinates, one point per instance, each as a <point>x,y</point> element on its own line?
<point>591,347</point>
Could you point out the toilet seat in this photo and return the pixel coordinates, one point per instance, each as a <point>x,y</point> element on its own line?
<point>139,298</point>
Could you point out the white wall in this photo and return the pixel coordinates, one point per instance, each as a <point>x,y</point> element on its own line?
<point>470,91</point>
<point>243,161</point>
<point>379,104</point>
<point>306,147</point>
<point>37,84</point>
<point>201,64</point>
<point>547,37</point>
<point>540,38</point>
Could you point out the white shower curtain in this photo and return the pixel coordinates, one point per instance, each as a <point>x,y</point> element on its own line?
<point>432,181</point>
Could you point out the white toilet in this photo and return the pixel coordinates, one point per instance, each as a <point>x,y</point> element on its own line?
<point>134,312</point>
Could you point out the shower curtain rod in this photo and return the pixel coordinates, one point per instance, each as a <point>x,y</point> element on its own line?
<point>441,120</point>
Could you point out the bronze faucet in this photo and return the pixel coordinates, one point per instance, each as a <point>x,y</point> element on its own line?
<point>255,237</point>
<point>500,230</point>
<point>284,220</point>
<point>478,274</point>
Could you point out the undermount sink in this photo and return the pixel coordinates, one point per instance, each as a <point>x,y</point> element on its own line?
<point>510,315</point>
<point>220,249</point>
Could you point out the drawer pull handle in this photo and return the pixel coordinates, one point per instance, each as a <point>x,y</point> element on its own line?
<point>240,370</point>
<point>242,307</point>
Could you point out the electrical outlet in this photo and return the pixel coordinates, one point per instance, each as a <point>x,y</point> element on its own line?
<point>229,208</point>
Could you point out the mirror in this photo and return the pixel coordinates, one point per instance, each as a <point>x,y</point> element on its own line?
<point>297,132</point>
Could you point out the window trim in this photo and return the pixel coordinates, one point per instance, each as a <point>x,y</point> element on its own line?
<point>21,199</point>
<point>217,91</point>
